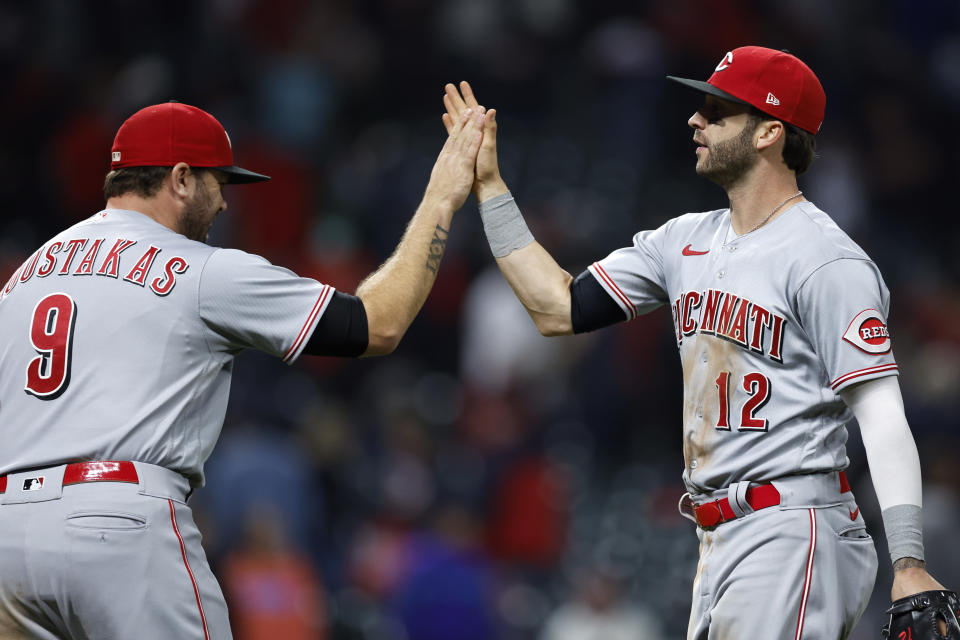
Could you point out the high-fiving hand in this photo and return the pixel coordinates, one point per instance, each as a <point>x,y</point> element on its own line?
<point>453,172</point>
<point>488,182</point>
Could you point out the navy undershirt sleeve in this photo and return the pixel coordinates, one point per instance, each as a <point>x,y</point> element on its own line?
<point>591,307</point>
<point>341,330</point>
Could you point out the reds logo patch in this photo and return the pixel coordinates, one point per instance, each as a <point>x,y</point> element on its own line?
<point>868,332</point>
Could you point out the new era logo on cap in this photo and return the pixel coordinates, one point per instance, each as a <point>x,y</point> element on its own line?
<point>775,82</point>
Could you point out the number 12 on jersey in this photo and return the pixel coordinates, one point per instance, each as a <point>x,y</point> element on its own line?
<point>757,386</point>
<point>51,334</point>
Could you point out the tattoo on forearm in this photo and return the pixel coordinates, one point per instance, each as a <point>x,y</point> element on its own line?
<point>909,563</point>
<point>437,245</point>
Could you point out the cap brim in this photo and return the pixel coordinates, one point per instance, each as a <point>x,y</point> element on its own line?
<point>236,175</point>
<point>706,87</point>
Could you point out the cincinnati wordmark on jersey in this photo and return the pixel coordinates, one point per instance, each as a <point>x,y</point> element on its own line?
<point>730,317</point>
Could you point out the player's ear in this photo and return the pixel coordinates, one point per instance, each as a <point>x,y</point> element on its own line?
<point>767,134</point>
<point>180,176</point>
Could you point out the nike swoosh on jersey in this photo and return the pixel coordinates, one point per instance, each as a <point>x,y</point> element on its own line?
<point>687,251</point>
<point>854,514</point>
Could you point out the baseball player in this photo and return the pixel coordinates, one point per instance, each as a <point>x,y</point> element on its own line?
<point>119,340</point>
<point>780,321</point>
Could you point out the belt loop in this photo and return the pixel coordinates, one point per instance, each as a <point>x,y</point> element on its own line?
<point>737,497</point>
<point>161,482</point>
<point>719,506</point>
<point>687,508</point>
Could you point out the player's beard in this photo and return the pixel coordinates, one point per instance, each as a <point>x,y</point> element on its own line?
<point>729,161</point>
<point>197,217</point>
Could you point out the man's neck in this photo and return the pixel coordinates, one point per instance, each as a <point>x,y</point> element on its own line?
<point>757,196</point>
<point>150,207</point>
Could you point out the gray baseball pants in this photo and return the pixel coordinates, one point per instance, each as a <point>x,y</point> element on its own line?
<point>104,560</point>
<point>802,570</point>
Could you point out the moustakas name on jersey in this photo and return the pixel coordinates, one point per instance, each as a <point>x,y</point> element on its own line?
<point>58,258</point>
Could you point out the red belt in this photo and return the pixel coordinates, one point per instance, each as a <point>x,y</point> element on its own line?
<point>78,472</point>
<point>710,514</point>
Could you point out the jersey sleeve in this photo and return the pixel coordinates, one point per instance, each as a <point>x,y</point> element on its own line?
<point>634,276</point>
<point>246,302</point>
<point>843,308</point>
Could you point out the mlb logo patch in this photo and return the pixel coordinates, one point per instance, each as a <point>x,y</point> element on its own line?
<point>33,484</point>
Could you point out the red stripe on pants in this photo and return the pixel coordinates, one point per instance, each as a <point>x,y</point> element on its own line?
<point>809,575</point>
<point>186,563</point>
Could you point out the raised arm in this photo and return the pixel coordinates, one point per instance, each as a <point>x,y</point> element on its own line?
<point>394,293</point>
<point>542,286</point>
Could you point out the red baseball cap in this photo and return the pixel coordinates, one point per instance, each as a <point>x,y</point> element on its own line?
<point>162,135</point>
<point>774,82</point>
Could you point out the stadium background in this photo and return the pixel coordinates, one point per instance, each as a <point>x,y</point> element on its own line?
<point>485,482</point>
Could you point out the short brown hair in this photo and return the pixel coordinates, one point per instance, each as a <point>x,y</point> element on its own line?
<point>143,181</point>
<point>799,146</point>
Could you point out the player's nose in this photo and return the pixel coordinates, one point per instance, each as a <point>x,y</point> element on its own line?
<point>697,121</point>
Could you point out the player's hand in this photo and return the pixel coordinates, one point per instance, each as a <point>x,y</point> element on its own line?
<point>454,171</point>
<point>911,580</point>
<point>488,182</point>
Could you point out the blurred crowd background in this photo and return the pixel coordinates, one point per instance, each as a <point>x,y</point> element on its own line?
<point>484,482</point>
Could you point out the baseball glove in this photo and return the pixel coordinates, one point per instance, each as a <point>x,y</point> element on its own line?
<point>928,615</point>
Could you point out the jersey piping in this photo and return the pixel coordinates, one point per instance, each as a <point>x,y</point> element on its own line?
<point>887,369</point>
<point>318,308</point>
<point>622,299</point>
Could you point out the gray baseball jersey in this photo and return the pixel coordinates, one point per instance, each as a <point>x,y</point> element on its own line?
<point>120,336</point>
<point>770,325</point>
